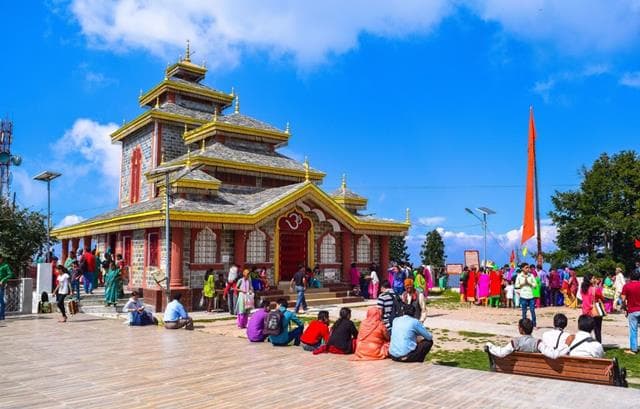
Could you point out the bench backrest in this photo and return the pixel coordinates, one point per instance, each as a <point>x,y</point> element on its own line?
<point>578,369</point>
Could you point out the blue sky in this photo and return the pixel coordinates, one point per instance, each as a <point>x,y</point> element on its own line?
<point>422,104</point>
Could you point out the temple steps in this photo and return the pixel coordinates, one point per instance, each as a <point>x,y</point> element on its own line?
<point>332,294</point>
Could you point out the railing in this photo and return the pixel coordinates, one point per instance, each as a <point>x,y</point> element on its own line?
<point>18,296</point>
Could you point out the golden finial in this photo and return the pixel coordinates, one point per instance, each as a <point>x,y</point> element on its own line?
<point>202,147</point>
<point>162,158</point>
<point>233,92</point>
<point>185,128</point>
<point>344,182</point>
<point>140,92</point>
<point>287,129</point>
<point>157,102</point>
<point>306,169</point>
<point>187,54</point>
<point>188,156</point>
<point>237,110</point>
<point>408,219</point>
<point>204,63</point>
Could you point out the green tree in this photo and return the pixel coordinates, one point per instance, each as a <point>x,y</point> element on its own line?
<point>600,220</point>
<point>432,252</point>
<point>398,250</point>
<point>23,233</point>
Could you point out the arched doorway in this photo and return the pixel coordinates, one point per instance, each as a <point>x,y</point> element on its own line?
<point>293,243</point>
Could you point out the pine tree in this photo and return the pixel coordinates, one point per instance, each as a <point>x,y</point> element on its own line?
<point>398,249</point>
<point>433,250</point>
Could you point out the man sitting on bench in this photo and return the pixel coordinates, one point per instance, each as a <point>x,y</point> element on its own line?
<point>581,344</point>
<point>524,343</point>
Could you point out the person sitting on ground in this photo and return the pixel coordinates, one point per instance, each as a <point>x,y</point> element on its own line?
<point>525,343</point>
<point>175,316</point>
<point>386,301</point>
<point>373,337</point>
<point>255,326</point>
<point>405,345</point>
<point>137,314</point>
<point>284,336</point>
<point>317,333</point>
<point>343,335</point>
<point>556,338</point>
<point>581,344</point>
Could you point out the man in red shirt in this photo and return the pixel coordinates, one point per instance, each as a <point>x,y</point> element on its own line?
<point>631,298</point>
<point>88,270</point>
<point>316,333</point>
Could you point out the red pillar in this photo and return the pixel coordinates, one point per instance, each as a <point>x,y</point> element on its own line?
<point>86,243</point>
<point>176,257</point>
<point>347,244</point>
<point>239,248</point>
<point>65,250</point>
<point>384,254</point>
<point>75,245</point>
<point>118,247</point>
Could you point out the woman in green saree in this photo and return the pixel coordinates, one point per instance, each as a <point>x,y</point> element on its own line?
<point>112,284</point>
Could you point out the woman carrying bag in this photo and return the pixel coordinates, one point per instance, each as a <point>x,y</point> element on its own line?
<point>245,299</point>
<point>593,303</point>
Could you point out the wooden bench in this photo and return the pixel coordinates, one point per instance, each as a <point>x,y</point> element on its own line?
<point>589,370</point>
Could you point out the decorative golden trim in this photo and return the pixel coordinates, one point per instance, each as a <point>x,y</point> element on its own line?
<point>218,125</point>
<point>276,252</point>
<point>197,184</point>
<point>350,201</point>
<point>168,84</point>
<point>227,218</point>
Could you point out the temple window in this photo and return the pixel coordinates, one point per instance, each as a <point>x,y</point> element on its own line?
<point>205,247</point>
<point>364,249</point>
<point>328,250</point>
<point>153,250</point>
<point>134,185</point>
<point>257,247</point>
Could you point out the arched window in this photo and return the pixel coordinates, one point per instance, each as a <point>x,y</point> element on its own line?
<point>257,247</point>
<point>328,250</point>
<point>364,249</point>
<point>134,184</point>
<point>205,247</point>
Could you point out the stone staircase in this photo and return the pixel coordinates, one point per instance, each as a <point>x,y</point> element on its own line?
<point>94,304</point>
<point>338,293</point>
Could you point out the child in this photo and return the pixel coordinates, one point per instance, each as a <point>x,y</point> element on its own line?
<point>317,333</point>
<point>508,290</point>
<point>609,293</point>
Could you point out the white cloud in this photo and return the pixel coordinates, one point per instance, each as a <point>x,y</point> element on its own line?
<point>223,31</point>
<point>544,88</point>
<point>310,32</point>
<point>431,221</point>
<point>29,192</point>
<point>69,220</point>
<point>572,26</point>
<point>631,79</point>
<point>87,147</point>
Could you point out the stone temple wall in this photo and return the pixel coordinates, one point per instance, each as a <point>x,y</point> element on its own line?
<point>142,138</point>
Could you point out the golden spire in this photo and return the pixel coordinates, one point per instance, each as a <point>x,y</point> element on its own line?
<point>237,110</point>
<point>287,129</point>
<point>140,92</point>
<point>202,147</point>
<point>233,92</point>
<point>162,158</point>
<point>306,169</point>
<point>344,183</point>
<point>188,156</point>
<point>187,53</point>
<point>157,102</point>
<point>215,114</point>
<point>185,129</point>
<point>408,219</point>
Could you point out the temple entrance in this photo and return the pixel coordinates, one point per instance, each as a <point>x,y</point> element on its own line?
<point>293,232</point>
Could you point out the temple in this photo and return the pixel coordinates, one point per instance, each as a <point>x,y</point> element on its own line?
<point>234,198</point>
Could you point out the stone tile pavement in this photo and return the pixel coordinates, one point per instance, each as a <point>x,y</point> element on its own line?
<point>96,363</point>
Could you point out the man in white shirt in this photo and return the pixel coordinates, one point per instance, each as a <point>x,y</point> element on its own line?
<point>556,338</point>
<point>525,282</point>
<point>618,285</point>
<point>581,344</point>
<point>524,343</point>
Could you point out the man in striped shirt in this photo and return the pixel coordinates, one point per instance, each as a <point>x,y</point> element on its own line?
<point>385,303</point>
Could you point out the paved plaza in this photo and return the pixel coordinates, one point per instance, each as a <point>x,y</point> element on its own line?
<point>98,363</point>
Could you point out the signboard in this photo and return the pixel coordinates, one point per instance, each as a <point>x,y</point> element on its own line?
<point>453,273</point>
<point>472,258</point>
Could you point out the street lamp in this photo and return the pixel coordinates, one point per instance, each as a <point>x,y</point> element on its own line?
<point>485,211</point>
<point>48,176</point>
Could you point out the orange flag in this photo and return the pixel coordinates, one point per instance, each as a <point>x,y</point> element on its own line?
<point>528,226</point>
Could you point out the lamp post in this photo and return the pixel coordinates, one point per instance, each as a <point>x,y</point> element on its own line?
<point>485,211</point>
<point>48,176</point>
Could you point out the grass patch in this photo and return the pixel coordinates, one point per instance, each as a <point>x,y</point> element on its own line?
<point>471,334</point>
<point>467,358</point>
<point>446,297</point>
<point>630,362</point>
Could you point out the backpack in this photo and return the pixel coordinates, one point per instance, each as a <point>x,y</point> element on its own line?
<point>397,310</point>
<point>273,323</point>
